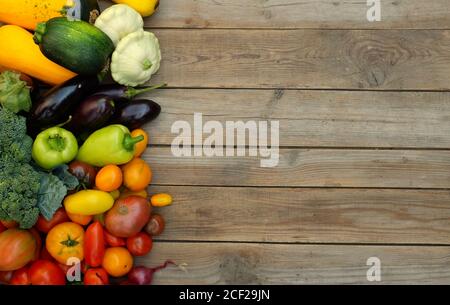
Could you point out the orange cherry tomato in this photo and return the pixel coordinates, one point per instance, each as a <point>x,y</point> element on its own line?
<point>161,200</point>
<point>117,261</point>
<point>83,220</point>
<point>109,178</point>
<point>140,147</point>
<point>65,241</point>
<point>96,276</point>
<point>137,175</point>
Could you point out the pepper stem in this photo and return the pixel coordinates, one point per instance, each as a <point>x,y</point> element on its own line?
<point>129,141</point>
<point>132,92</point>
<point>41,28</point>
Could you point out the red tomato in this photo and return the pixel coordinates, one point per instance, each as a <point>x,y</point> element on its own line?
<point>113,241</point>
<point>9,224</point>
<point>46,273</point>
<point>21,277</point>
<point>45,226</point>
<point>96,276</point>
<point>45,255</point>
<point>94,245</point>
<point>2,228</point>
<point>139,245</point>
<point>38,239</point>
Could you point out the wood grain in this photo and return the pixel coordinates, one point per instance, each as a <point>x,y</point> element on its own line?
<point>308,168</point>
<point>296,59</point>
<point>306,215</point>
<point>316,118</point>
<point>285,14</point>
<point>231,263</point>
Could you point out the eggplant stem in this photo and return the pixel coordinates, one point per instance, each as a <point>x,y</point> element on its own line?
<point>132,92</point>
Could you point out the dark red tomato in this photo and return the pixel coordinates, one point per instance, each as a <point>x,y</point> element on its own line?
<point>46,273</point>
<point>5,277</point>
<point>38,239</point>
<point>2,228</point>
<point>94,245</point>
<point>9,224</point>
<point>96,276</point>
<point>45,225</point>
<point>156,225</point>
<point>139,245</point>
<point>20,277</point>
<point>85,173</point>
<point>113,241</point>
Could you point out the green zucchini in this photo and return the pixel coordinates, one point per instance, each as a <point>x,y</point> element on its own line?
<point>74,44</point>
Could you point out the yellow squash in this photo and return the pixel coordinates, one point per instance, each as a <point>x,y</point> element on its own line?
<point>144,7</point>
<point>28,13</point>
<point>19,52</point>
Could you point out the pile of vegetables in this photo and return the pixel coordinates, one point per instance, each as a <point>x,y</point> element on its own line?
<point>73,185</point>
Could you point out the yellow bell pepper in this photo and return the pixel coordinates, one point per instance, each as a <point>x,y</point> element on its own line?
<point>144,7</point>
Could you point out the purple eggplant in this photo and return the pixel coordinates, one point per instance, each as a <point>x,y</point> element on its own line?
<point>91,114</point>
<point>54,107</point>
<point>136,113</point>
<point>118,91</point>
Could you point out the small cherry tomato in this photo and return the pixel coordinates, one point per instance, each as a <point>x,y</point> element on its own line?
<point>20,277</point>
<point>139,245</point>
<point>140,147</point>
<point>83,220</point>
<point>137,175</point>
<point>96,276</point>
<point>112,240</point>
<point>9,224</point>
<point>45,225</point>
<point>156,225</point>
<point>44,272</point>
<point>161,200</point>
<point>117,261</point>
<point>109,178</point>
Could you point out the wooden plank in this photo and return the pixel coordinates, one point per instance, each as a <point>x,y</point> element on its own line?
<point>306,215</point>
<point>236,263</point>
<point>316,118</point>
<point>308,168</point>
<point>284,14</point>
<point>296,59</point>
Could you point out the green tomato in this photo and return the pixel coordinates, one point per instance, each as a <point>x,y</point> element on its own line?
<point>53,147</point>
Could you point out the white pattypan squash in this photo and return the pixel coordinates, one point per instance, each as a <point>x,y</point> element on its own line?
<point>136,58</point>
<point>118,21</point>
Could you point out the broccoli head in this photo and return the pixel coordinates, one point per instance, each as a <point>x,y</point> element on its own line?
<point>19,185</point>
<point>13,128</point>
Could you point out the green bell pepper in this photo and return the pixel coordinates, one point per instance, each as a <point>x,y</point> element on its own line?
<point>53,147</point>
<point>110,145</point>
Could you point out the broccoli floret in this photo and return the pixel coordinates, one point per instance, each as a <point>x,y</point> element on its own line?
<point>13,128</point>
<point>19,186</point>
<point>21,150</point>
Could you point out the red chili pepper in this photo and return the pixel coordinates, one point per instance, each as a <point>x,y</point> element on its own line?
<point>113,241</point>
<point>94,245</point>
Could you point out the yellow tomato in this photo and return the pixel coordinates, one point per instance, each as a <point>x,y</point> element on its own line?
<point>140,147</point>
<point>161,200</point>
<point>117,261</point>
<point>83,220</point>
<point>137,175</point>
<point>109,178</point>
<point>88,202</point>
<point>65,241</point>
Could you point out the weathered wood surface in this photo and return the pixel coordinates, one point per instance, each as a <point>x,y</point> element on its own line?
<point>290,14</point>
<point>308,168</point>
<point>316,118</point>
<point>319,59</point>
<point>285,215</point>
<point>240,263</point>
